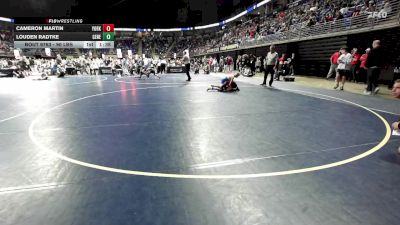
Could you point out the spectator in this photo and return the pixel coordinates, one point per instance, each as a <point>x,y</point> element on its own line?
<point>374,63</point>
<point>343,68</point>
<point>332,70</point>
<point>282,61</point>
<point>238,64</point>
<point>258,64</point>
<point>386,7</point>
<point>344,10</point>
<point>396,74</point>
<point>252,64</point>
<point>230,63</point>
<point>292,62</point>
<point>339,16</point>
<point>221,64</point>
<point>371,6</point>
<point>355,64</point>
<point>362,74</point>
<point>215,64</point>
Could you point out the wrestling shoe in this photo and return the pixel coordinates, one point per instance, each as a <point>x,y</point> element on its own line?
<point>376,90</point>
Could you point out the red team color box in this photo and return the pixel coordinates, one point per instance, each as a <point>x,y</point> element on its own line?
<point>108,27</point>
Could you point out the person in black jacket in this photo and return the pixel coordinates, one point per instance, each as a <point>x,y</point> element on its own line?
<point>374,63</point>
<point>253,64</point>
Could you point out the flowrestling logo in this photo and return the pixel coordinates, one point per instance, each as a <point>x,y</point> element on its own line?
<point>62,20</point>
<point>378,15</point>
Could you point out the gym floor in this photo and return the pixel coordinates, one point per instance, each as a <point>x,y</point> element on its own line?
<point>104,150</point>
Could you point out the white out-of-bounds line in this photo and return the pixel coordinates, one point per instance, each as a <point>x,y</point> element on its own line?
<point>329,98</point>
<point>87,82</point>
<point>26,188</point>
<point>379,110</point>
<point>13,117</point>
<point>232,162</point>
<point>56,129</point>
<point>332,100</point>
<point>211,117</point>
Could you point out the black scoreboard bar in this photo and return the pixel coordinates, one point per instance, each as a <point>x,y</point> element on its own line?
<point>65,36</point>
<point>59,28</point>
<point>62,33</point>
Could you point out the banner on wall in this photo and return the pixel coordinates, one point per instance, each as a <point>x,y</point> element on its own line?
<point>213,50</point>
<point>229,47</point>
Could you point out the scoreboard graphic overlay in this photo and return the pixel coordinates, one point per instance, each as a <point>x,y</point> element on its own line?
<point>62,33</point>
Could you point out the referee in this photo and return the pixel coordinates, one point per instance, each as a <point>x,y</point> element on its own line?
<point>270,65</point>
<point>186,61</point>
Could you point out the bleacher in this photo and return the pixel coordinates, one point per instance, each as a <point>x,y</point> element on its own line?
<point>357,19</point>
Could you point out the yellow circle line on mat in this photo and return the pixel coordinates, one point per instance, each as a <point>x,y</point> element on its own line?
<point>210,176</point>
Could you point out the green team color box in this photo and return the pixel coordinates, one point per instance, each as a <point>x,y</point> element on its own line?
<point>108,36</point>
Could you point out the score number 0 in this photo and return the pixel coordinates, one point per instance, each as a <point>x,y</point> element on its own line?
<point>108,27</point>
<point>108,32</point>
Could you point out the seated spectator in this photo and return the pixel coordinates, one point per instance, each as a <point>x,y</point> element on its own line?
<point>386,7</point>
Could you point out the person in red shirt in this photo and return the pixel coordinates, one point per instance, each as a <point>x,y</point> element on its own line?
<point>229,61</point>
<point>282,59</point>
<point>355,64</point>
<point>362,73</point>
<point>281,63</point>
<point>328,17</point>
<point>334,64</point>
<point>282,14</point>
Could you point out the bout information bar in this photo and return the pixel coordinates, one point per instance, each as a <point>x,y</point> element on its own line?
<point>62,33</point>
<point>63,44</point>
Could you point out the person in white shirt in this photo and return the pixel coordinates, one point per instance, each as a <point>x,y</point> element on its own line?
<point>344,10</point>
<point>344,67</point>
<point>186,61</point>
<point>270,65</point>
<point>387,8</point>
<point>145,62</point>
<point>215,65</point>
